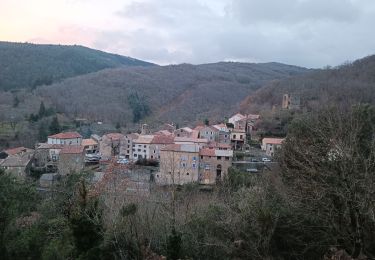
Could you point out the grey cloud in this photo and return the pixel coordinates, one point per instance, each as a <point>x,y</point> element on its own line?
<point>301,32</point>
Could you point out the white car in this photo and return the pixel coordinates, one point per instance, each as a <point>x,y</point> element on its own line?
<point>265,159</point>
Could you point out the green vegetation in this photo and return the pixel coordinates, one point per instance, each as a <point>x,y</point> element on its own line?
<point>139,107</point>
<point>31,65</point>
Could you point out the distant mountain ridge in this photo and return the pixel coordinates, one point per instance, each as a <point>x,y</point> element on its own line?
<point>346,84</point>
<point>176,93</point>
<point>26,65</point>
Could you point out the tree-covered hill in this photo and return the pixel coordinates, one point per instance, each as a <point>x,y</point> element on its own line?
<point>350,83</point>
<point>25,65</point>
<point>179,93</point>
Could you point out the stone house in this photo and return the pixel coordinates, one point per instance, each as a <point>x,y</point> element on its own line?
<point>71,159</point>
<point>209,132</point>
<point>67,138</point>
<point>188,140</point>
<point>110,144</point>
<point>237,138</point>
<point>233,119</point>
<point>141,147</point>
<point>179,164</point>
<point>270,145</point>
<point>126,146</point>
<point>183,132</point>
<point>157,143</point>
<point>214,164</point>
<point>91,146</point>
<point>18,164</point>
<point>47,154</point>
<point>291,102</point>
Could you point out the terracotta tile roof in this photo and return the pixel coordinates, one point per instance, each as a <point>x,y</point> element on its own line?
<point>219,145</point>
<point>163,132</point>
<point>190,148</point>
<point>66,135</point>
<point>162,139</point>
<point>190,140</point>
<point>144,139</point>
<point>207,152</point>
<point>50,146</point>
<point>72,149</point>
<point>16,150</point>
<point>215,152</point>
<point>114,136</point>
<point>272,140</point>
<point>87,142</point>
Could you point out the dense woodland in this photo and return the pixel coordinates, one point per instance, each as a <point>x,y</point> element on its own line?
<point>25,65</point>
<point>349,83</point>
<point>183,94</point>
<point>318,204</point>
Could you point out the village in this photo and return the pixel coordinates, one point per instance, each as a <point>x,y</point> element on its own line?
<point>201,155</point>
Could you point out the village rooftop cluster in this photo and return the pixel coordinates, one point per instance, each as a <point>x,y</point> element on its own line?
<point>185,155</point>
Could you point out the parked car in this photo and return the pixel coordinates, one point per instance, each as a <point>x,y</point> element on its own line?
<point>254,160</point>
<point>265,159</point>
<point>253,170</point>
<point>123,161</point>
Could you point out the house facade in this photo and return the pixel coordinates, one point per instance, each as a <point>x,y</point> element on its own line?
<point>67,138</point>
<point>179,164</point>
<point>270,145</point>
<point>141,147</point>
<point>71,159</point>
<point>214,164</point>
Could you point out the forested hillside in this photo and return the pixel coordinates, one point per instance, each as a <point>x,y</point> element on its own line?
<point>25,65</point>
<point>179,93</point>
<point>349,83</point>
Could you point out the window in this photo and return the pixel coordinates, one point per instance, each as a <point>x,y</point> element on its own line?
<point>139,150</point>
<point>201,156</point>
<point>183,164</point>
<point>127,151</point>
<point>135,155</point>
<point>154,151</point>
<point>144,151</point>
<point>128,146</point>
<point>207,167</point>
<point>194,158</point>
<point>227,158</point>
<point>144,146</point>
<point>194,165</point>
<point>240,136</point>
<point>128,141</point>
<point>234,136</point>
<point>187,173</point>
<point>152,157</point>
<point>169,173</point>
<point>219,157</point>
<point>225,136</point>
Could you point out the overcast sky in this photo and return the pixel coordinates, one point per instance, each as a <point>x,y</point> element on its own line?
<point>310,33</point>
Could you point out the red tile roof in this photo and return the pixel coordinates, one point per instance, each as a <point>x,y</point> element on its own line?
<point>115,136</point>
<point>72,149</point>
<point>16,150</point>
<point>272,140</point>
<point>207,152</point>
<point>66,135</point>
<point>162,139</point>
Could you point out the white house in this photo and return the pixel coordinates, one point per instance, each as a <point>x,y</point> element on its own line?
<point>67,138</point>
<point>270,145</point>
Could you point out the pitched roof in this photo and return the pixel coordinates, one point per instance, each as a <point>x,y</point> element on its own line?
<point>144,139</point>
<point>66,135</point>
<point>72,149</point>
<point>190,148</point>
<point>49,146</point>
<point>114,136</point>
<point>162,139</point>
<point>163,132</point>
<point>219,145</point>
<point>190,140</point>
<point>90,141</point>
<point>17,160</point>
<point>215,152</point>
<point>17,150</point>
<point>272,140</point>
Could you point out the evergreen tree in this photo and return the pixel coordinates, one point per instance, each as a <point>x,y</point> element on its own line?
<point>42,133</point>
<point>42,110</point>
<point>54,127</point>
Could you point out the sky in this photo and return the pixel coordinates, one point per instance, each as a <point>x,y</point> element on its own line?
<point>309,33</point>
